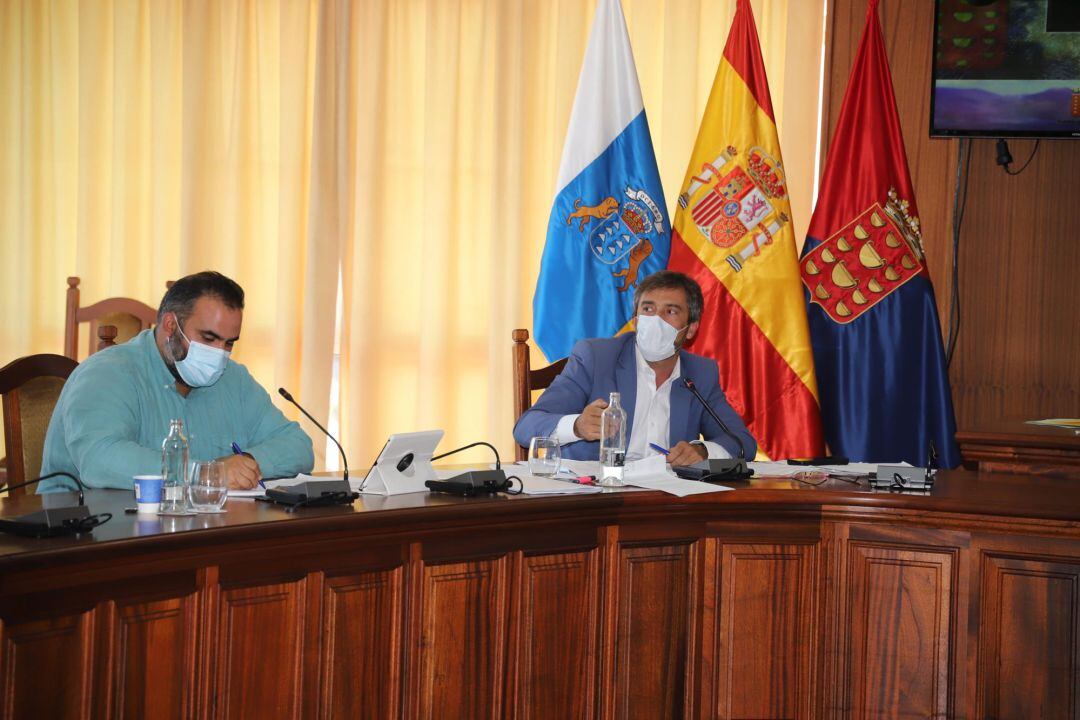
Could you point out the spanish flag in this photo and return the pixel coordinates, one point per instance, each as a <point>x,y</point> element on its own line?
<point>733,234</point>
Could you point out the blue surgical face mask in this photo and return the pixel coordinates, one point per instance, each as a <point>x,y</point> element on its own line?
<point>203,364</point>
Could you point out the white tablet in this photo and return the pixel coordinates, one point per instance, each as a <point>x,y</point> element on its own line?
<point>404,464</point>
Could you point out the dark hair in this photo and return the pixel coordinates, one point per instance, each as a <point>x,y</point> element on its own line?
<point>667,280</point>
<point>181,297</point>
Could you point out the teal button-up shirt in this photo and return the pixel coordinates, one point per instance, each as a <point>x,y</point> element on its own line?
<point>114,413</point>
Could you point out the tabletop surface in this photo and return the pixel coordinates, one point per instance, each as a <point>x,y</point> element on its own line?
<point>958,491</point>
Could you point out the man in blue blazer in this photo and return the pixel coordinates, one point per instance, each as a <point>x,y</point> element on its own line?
<point>647,368</point>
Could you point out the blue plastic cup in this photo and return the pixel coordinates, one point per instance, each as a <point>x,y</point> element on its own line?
<point>148,490</point>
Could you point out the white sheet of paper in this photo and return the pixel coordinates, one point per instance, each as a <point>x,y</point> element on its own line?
<point>652,472</point>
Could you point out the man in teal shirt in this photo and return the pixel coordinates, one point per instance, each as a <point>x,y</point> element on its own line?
<point>114,411</point>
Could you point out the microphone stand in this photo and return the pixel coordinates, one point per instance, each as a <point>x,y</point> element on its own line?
<point>472,482</point>
<point>719,469</point>
<point>51,522</point>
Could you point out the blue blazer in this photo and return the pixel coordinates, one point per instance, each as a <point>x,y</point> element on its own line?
<point>601,366</point>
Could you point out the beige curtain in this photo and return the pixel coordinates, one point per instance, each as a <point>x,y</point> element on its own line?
<point>461,109</point>
<point>146,139</point>
<point>412,144</point>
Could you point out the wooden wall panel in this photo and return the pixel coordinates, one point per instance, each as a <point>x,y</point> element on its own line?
<point>1019,354</point>
<point>767,602</point>
<point>555,635</point>
<point>259,662</point>
<point>362,651</point>
<point>462,639</point>
<point>654,599</point>
<point>1029,661</point>
<point>902,623</point>
<point>154,658</point>
<point>45,667</point>
<point>1019,349</point>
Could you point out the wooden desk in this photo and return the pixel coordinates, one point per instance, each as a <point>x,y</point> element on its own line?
<point>776,600</point>
<point>1015,446</point>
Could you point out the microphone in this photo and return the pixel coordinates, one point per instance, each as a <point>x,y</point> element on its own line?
<point>313,493</point>
<point>472,482</point>
<point>52,522</point>
<point>727,469</point>
<point>288,396</point>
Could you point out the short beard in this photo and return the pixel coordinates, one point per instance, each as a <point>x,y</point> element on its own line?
<point>175,352</point>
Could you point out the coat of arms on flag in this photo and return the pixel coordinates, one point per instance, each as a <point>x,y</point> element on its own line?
<point>622,231</point>
<point>730,202</point>
<point>866,260</point>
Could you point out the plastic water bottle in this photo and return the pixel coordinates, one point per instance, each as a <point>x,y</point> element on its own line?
<point>612,443</point>
<point>174,470</point>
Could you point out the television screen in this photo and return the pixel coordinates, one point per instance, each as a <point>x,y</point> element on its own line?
<point>1006,68</point>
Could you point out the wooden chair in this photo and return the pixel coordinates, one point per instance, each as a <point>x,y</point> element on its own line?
<point>30,387</point>
<point>526,380</point>
<point>126,318</point>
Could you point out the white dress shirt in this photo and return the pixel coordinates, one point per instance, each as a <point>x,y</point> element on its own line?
<point>652,416</point>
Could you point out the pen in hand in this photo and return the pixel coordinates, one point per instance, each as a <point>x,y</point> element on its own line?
<point>237,451</point>
<point>659,449</point>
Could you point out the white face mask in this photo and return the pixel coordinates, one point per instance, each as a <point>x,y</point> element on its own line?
<point>203,364</point>
<point>655,338</point>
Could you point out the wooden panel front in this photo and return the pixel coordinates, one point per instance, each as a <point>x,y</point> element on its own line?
<point>901,624</point>
<point>154,660</point>
<point>555,636</point>
<point>362,650</point>
<point>654,598</point>
<point>259,653</point>
<point>773,602</point>
<point>767,607</point>
<point>1029,664</point>
<point>46,666</point>
<point>459,653</point>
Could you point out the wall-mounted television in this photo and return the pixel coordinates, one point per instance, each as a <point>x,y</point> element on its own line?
<point>1006,68</point>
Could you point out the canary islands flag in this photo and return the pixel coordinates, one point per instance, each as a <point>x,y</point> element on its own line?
<point>880,363</point>
<point>733,234</point>
<point>608,225</point>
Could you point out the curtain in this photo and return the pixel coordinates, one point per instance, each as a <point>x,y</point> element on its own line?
<point>408,146</point>
<point>147,139</point>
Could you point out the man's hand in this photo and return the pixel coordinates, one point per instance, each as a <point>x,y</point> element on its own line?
<point>241,471</point>
<point>587,426</point>
<point>686,454</point>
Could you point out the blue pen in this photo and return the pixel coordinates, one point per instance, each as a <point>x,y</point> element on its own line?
<point>237,451</point>
<point>659,449</point>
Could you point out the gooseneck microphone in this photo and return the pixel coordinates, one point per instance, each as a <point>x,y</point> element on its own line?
<point>728,469</point>
<point>313,493</point>
<point>712,413</point>
<point>288,396</point>
<point>58,473</point>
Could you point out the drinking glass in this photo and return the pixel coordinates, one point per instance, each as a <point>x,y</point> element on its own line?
<point>209,487</point>
<point>544,456</point>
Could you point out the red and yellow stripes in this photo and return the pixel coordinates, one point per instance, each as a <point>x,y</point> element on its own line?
<point>745,257</point>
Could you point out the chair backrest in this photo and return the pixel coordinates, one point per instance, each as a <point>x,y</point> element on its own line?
<point>527,380</point>
<point>128,318</point>
<point>30,387</point>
